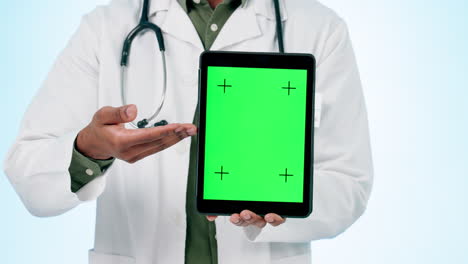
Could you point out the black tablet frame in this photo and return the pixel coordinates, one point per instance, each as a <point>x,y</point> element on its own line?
<point>257,60</point>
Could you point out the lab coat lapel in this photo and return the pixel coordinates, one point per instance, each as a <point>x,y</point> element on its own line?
<point>178,24</point>
<point>241,26</point>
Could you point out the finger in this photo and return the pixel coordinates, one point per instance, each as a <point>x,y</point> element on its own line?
<point>140,136</point>
<point>192,130</point>
<point>251,218</point>
<point>127,138</point>
<point>141,151</point>
<point>211,218</point>
<point>236,220</point>
<point>164,144</point>
<point>115,115</point>
<point>158,148</point>
<point>148,147</point>
<point>274,219</point>
<point>180,133</point>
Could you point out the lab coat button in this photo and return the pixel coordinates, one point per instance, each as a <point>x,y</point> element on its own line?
<point>90,172</point>
<point>214,27</point>
<point>196,1</point>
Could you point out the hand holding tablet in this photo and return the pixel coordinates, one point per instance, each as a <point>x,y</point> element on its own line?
<point>247,218</point>
<point>255,148</point>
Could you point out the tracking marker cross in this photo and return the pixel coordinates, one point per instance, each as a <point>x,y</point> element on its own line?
<point>224,85</point>
<point>289,88</point>
<point>286,175</point>
<point>221,172</point>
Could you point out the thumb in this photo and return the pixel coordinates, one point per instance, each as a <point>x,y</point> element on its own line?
<point>115,115</point>
<point>211,218</point>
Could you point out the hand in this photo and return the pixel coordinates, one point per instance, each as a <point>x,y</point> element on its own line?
<point>106,137</point>
<point>247,218</point>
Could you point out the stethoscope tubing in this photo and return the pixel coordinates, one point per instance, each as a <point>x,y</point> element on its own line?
<point>123,81</point>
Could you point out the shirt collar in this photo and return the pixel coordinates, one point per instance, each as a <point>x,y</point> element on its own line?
<point>187,4</point>
<point>262,7</point>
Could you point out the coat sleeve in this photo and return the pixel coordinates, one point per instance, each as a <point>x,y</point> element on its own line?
<point>37,164</point>
<point>342,165</point>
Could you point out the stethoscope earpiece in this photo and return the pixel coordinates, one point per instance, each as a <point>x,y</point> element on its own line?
<point>143,123</point>
<point>161,123</point>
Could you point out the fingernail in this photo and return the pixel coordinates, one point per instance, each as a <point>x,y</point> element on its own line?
<point>191,132</point>
<point>247,217</point>
<point>130,111</point>
<point>236,220</point>
<point>270,219</point>
<point>179,129</point>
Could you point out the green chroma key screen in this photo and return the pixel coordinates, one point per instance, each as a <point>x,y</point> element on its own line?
<point>255,134</point>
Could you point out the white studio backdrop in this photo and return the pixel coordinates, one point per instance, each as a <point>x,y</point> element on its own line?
<point>412,58</point>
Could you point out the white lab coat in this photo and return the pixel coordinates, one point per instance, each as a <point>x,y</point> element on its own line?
<point>141,207</point>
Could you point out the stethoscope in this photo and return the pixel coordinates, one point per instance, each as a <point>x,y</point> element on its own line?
<point>145,25</point>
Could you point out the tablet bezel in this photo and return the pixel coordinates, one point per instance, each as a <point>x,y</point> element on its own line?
<point>257,60</point>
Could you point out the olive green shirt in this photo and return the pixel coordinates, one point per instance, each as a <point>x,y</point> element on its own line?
<point>201,246</point>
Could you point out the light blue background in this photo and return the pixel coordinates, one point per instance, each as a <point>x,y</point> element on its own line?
<point>413,60</point>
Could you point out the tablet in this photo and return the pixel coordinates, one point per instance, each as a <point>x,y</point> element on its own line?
<point>255,147</point>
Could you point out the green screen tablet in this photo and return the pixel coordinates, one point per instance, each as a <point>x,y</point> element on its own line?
<point>255,133</point>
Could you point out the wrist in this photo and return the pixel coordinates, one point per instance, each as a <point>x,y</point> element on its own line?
<point>84,145</point>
